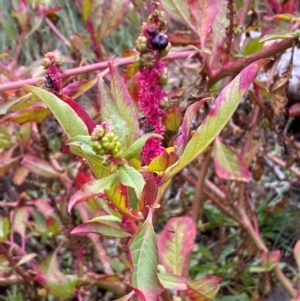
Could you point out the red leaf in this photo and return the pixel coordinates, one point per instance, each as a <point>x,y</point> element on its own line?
<point>81,179</point>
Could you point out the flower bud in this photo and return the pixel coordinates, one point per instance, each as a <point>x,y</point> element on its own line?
<point>46,62</point>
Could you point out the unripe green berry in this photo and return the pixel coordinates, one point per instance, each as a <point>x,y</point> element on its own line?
<point>116,154</point>
<point>141,44</point>
<point>163,103</point>
<point>118,146</point>
<point>138,63</point>
<point>109,145</point>
<point>148,60</point>
<point>163,77</point>
<point>165,51</point>
<point>98,148</point>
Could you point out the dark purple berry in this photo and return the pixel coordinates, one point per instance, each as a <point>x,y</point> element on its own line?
<point>151,30</point>
<point>160,41</point>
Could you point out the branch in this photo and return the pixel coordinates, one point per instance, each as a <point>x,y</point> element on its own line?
<point>197,205</point>
<point>90,68</point>
<point>12,263</point>
<point>236,67</point>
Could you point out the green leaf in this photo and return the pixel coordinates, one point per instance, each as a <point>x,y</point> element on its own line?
<point>86,9</point>
<point>253,46</point>
<point>65,115</point>
<point>144,261</point>
<point>4,228</point>
<point>177,9</point>
<point>278,36</point>
<point>136,148</point>
<point>124,103</point>
<point>217,117</point>
<point>101,226</point>
<point>79,140</point>
<point>129,176</point>
<point>110,112</point>
<point>172,281</point>
<point>229,165</point>
<point>93,189</point>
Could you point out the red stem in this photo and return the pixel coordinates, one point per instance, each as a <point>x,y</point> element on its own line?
<point>90,68</point>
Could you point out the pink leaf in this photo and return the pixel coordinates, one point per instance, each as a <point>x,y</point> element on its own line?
<point>270,260</point>
<point>20,218</point>
<point>297,253</point>
<point>204,13</point>
<point>229,165</point>
<point>175,243</point>
<point>294,110</point>
<point>39,167</point>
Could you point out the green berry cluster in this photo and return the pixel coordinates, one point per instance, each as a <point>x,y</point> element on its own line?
<point>105,142</point>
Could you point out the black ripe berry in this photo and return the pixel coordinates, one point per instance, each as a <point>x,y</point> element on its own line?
<point>160,41</point>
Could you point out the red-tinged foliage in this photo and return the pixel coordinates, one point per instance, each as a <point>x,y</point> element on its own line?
<point>35,113</point>
<point>81,179</point>
<point>229,165</point>
<point>147,154</point>
<point>173,118</point>
<point>270,260</point>
<point>204,289</point>
<point>143,257</point>
<point>90,123</point>
<point>204,13</point>
<point>175,243</point>
<point>297,253</point>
